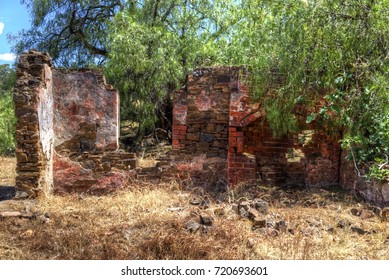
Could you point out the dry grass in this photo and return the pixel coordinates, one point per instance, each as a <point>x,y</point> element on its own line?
<point>133,224</point>
<point>147,162</point>
<point>7,171</point>
<point>149,222</point>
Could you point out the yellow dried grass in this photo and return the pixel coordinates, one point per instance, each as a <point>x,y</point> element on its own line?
<point>139,223</point>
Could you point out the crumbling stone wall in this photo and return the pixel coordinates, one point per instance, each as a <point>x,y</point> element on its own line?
<point>200,125</point>
<point>310,157</point>
<point>215,120</point>
<point>67,131</point>
<point>372,190</point>
<point>68,127</point>
<point>34,129</point>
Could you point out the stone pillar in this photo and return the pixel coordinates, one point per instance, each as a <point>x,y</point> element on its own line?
<point>34,129</point>
<point>200,126</point>
<point>242,112</point>
<point>180,111</point>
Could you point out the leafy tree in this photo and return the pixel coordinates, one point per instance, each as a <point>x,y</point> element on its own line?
<point>74,32</point>
<point>7,78</point>
<point>302,50</point>
<point>7,114</point>
<point>150,45</point>
<point>155,46</point>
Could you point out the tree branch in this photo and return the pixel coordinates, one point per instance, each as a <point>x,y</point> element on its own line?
<point>79,32</point>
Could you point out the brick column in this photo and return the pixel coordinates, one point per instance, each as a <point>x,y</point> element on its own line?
<point>34,129</point>
<point>241,158</point>
<point>180,110</point>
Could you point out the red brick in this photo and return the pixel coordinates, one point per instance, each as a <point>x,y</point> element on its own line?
<point>179,127</point>
<point>180,137</point>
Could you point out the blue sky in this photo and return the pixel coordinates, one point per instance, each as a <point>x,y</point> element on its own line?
<point>13,18</point>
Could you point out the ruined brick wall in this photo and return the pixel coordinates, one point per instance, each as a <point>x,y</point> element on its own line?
<point>86,110</point>
<point>34,129</point>
<point>308,158</point>
<point>372,190</point>
<point>67,130</point>
<point>86,129</point>
<point>200,124</point>
<point>215,118</point>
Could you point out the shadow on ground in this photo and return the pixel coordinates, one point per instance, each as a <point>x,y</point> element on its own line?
<point>7,192</point>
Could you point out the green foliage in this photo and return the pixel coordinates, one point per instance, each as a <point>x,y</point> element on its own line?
<point>74,32</point>
<point>7,124</point>
<point>7,78</point>
<point>143,65</point>
<point>7,112</point>
<point>378,174</point>
<point>154,46</point>
<point>302,49</point>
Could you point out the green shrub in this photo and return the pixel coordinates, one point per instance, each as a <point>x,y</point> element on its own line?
<point>7,124</point>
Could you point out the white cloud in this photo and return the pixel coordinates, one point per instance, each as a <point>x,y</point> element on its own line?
<point>7,56</point>
<point>1,27</point>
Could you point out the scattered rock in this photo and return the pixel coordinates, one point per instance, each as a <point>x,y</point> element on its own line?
<point>175,209</point>
<point>373,231</point>
<point>313,223</point>
<point>309,203</point>
<point>234,208</point>
<point>259,223</point>
<point>267,231</point>
<point>359,230</point>
<point>219,211</point>
<point>281,226</point>
<point>291,231</point>
<point>7,193</point>
<point>385,214</point>
<point>45,218</point>
<point>206,220</point>
<point>276,203</point>
<point>321,203</point>
<point>252,214</point>
<point>344,223</point>
<point>286,203</point>
<point>329,228</point>
<point>250,243</point>
<point>366,214</point>
<point>192,226</point>
<point>15,214</point>
<point>261,206</point>
<point>355,212</point>
<point>243,208</point>
<point>10,214</point>
<point>109,233</point>
<point>270,224</point>
<point>20,195</point>
<point>377,211</point>
<point>195,201</point>
<point>204,204</point>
